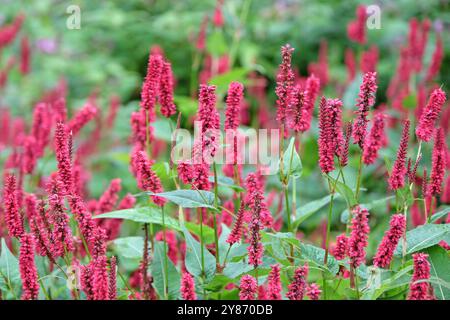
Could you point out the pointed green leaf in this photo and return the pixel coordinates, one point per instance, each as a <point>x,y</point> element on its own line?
<point>440,268</point>
<point>423,237</point>
<point>194,258</point>
<point>188,198</point>
<point>158,273</point>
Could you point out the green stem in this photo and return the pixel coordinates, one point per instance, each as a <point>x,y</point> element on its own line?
<point>166,262</point>
<point>202,254</point>
<point>358,181</point>
<point>216,203</point>
<point>226,256</point>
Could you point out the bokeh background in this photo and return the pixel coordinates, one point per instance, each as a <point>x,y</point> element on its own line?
<point>108,56</point>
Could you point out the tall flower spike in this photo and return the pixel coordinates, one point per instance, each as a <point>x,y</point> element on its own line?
<point>247,288</point>
<point>343,157</point>
<point>330,133</point>
<point>438,164</point>
<point>285,81</point>
<point>366,98</point>
<point>374,141</point>
<point>109,198</point>
<point>313,292</point>
<point>100,278</point>
<point>150,87</point>
<point>82,117</point>
<point>187,287</point>
<point>168,107</point>
<point>63,157</point>
<point>356,29</point>
<point>147,179</point>
<point>41,127</point>
<point>312,88</point>
<point>233,109</point>
<point>274,283</point>
<point>84,218</point>
<point>297,112</point>
<point>209,117</point>
<point>298,286</point>
<point>29,156</point>
<point>255,189</point>
<point>390,241</point>
<point>236,234</point>
<point>255,249</point>
<point>420,291</point>
<point>341,249</point>
<point>425,128</point>
<point>358,237</point>
<point>112,289</point>
<point>397,177</point>
<point>27,267</point>
<point>61,235</point>
<point>13,218</point>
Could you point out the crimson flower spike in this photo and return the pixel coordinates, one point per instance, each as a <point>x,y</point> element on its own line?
<point>285,81</point>
<point>366,98</point>
<point>390,241</point>
<point>397,177</point>
<point>359,236</point>
<point>438,164</point>
<point>247,288</point>
<point>425,128</point>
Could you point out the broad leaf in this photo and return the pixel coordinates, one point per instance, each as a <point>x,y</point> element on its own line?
<point>307,210</point>
<point>347,193</point>
<point>226,182</point>
<point>142,215</point>
<point>158,273</point>
<point>316,256</point>
<point>423,237</point>
<point>194,258</point>
<point>438,215</point>
<point>129,247</point>
<point>154,215</point>
<point>189,198</point>
<point>292,164</point>
<point>9,267</point>
<point>440,264</point>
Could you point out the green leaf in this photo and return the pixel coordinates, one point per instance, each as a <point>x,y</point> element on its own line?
<point>142,215</point>
<point>186,105</point>
<point>193,259</point>
<point>423,237</point>
<point>307,210</point>
<point>216,44</point>
<point>222,81</point>
<point>440,214</point>
<point>235,269</point>
<point>154,215</point>
<point>410,101</point>
<point>440,263</point>
<point>9,267</point>
<point>188,198</point>
<point>158,273</point>
<point>368,206</point>
<point>316,256</point>
<point>347,193</point>
<point>163,129</point>
<point>226,182</point>
<point>129,247</point>
<point>208,232</point>
<point>292,164</point>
